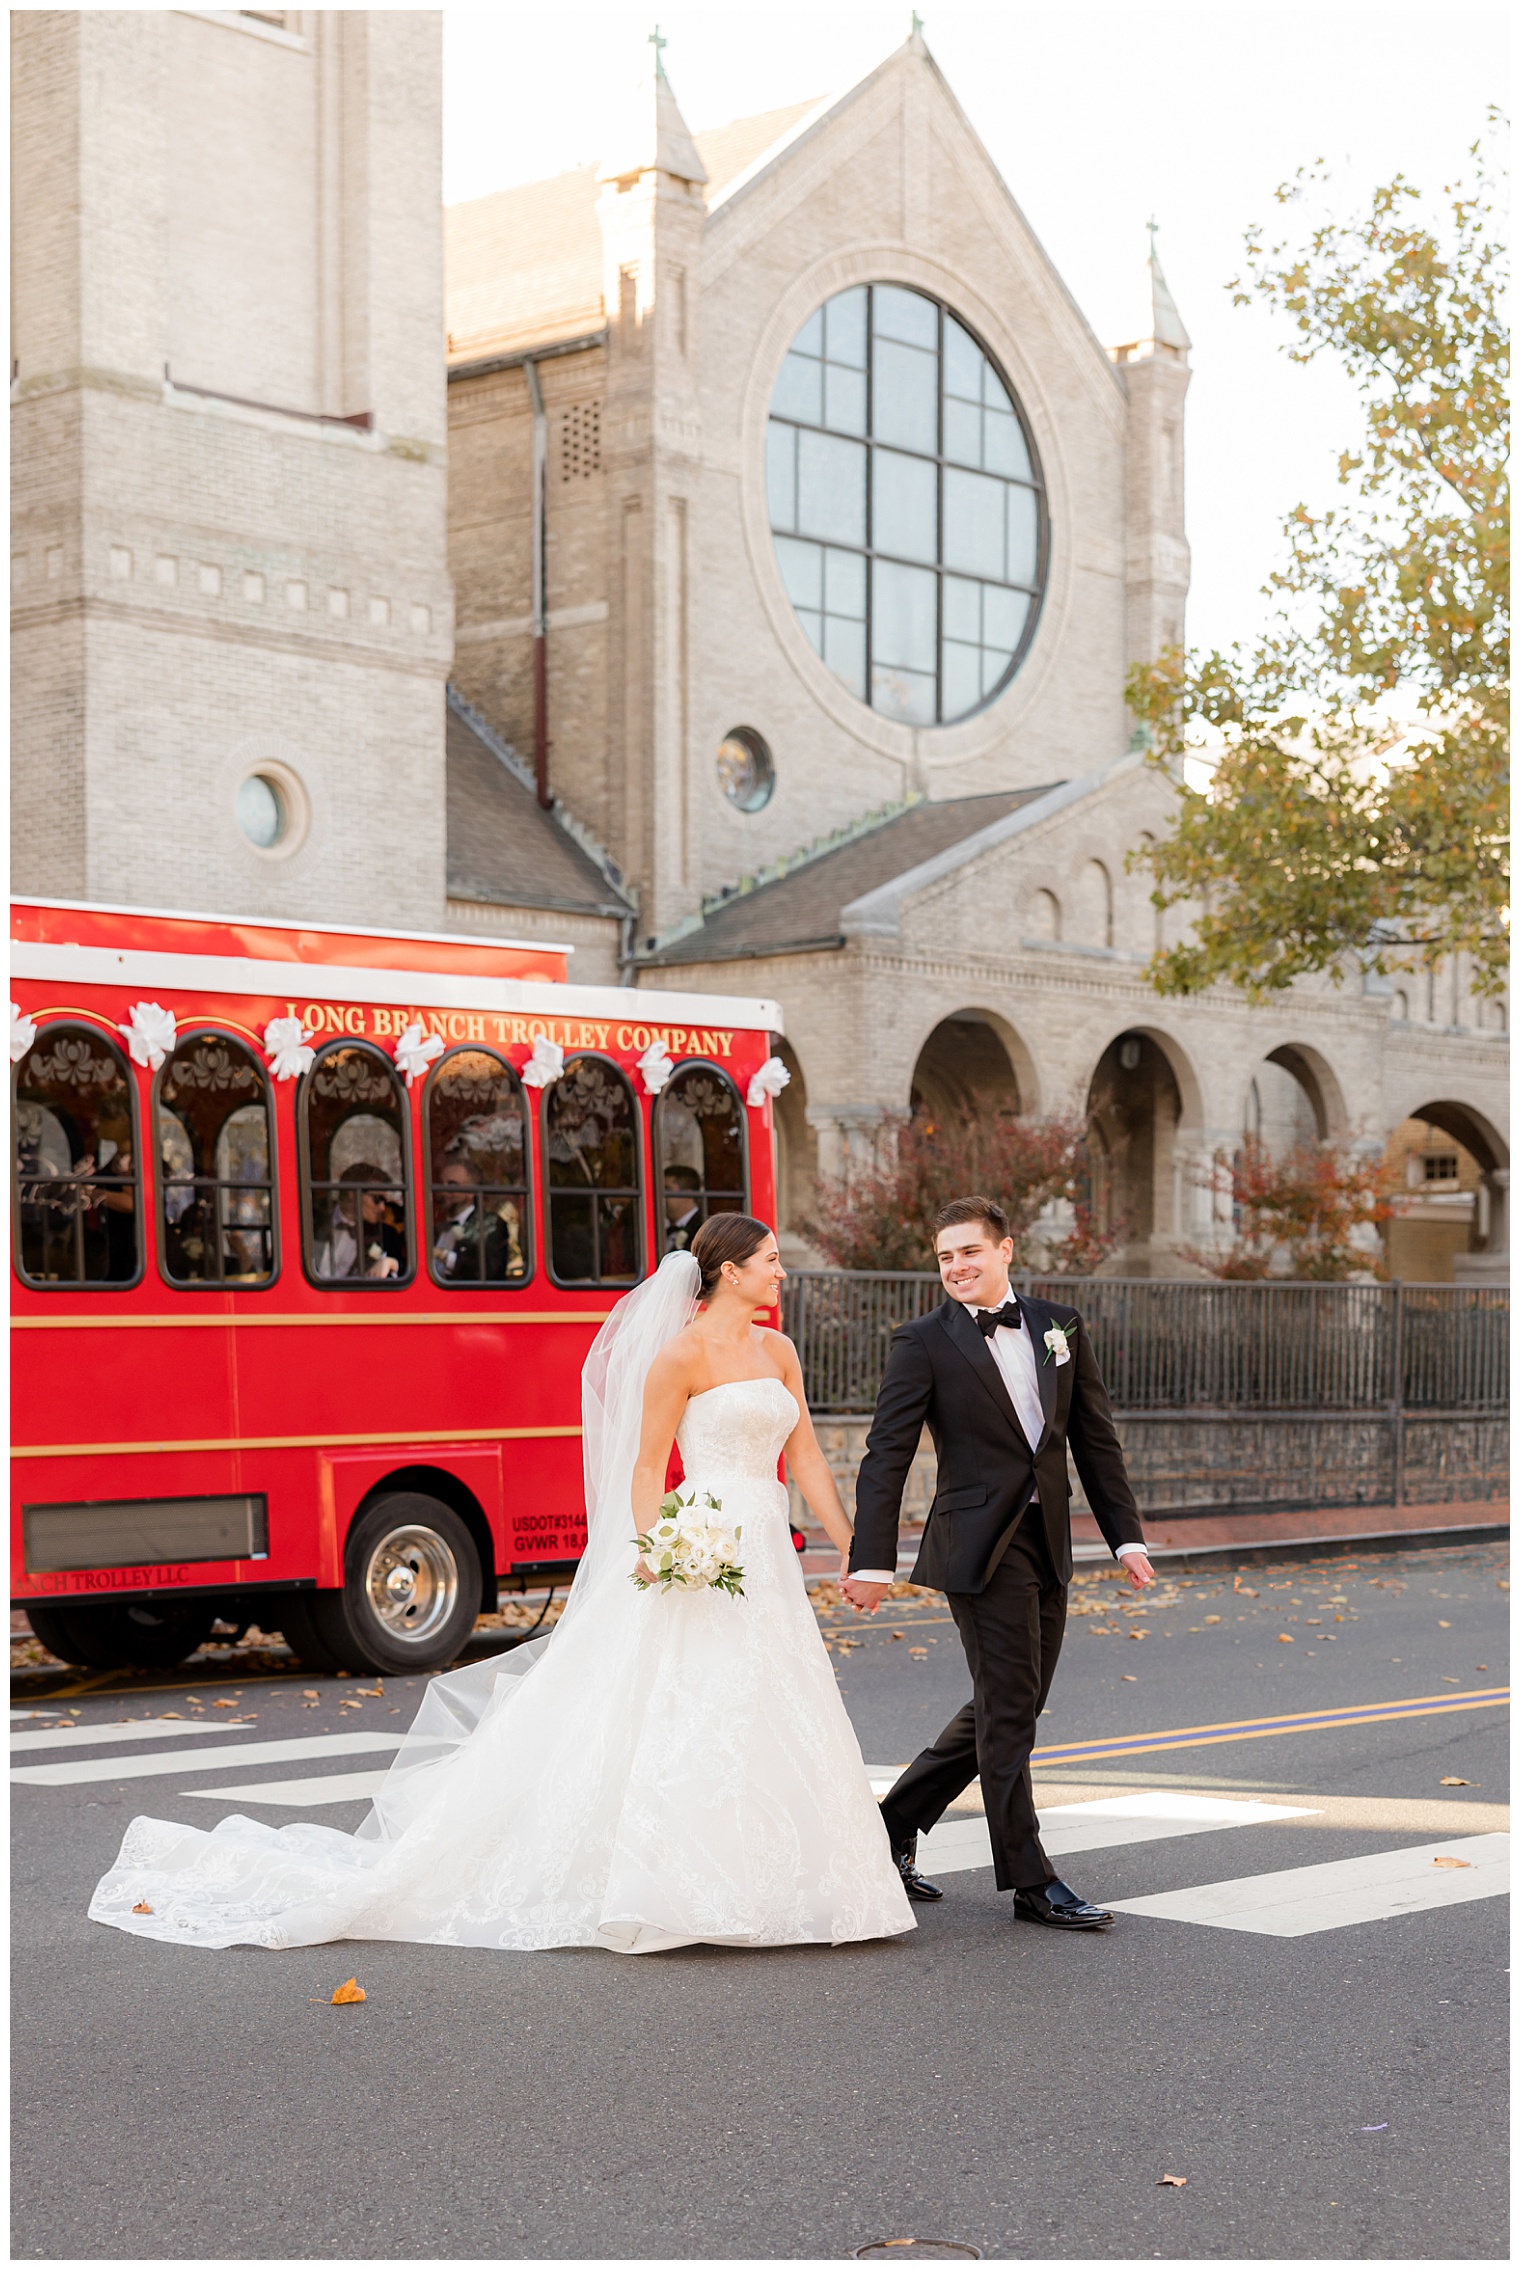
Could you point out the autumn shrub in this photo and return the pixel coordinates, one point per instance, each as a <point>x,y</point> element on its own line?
<point>880,1216</point>
<point>1297,1213</point>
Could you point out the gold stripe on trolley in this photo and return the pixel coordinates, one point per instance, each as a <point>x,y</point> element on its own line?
<point>238,1322</point>
<point>288,1442</point>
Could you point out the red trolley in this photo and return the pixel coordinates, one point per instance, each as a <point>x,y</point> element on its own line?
<point>312,1229</point>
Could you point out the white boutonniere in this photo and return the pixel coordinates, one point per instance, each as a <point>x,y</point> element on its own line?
<point>1058,1345</point>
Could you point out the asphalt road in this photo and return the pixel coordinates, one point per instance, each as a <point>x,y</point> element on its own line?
<point>1338,2094</point>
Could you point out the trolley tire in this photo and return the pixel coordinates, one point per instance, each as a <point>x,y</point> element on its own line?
<point>140,1635</point>
<point>403,1535</point>
<point>297,1625</point>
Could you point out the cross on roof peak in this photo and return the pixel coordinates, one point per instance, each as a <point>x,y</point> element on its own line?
<point>659,43</point>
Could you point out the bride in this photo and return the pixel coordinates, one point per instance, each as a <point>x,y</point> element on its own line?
<point>665,1767</point>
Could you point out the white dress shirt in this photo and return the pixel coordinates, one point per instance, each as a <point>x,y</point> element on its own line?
<point>1013,1351</point>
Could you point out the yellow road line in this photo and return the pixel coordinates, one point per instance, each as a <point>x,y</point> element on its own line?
<point>1261,1730</point>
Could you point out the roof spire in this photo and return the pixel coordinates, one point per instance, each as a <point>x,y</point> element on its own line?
<point>660,141</point>
<point>1167,327</point>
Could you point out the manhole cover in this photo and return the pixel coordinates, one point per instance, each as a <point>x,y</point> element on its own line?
<point>917,2250</point>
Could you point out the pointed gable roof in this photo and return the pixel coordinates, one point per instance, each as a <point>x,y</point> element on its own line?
<point>524,266</point>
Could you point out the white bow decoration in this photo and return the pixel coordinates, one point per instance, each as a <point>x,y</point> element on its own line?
<point>771,1078</point>
<point>545,1065</point>
<point>657,1064</point>
<point>414,1054</point>
<point>289,1046</point>
<point>23,1034</point>
<point>150,1033</point>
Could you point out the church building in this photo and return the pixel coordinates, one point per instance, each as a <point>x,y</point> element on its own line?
<point>802,533</point>
<point>724,560</point>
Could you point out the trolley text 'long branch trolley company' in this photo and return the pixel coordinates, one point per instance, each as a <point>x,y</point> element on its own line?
<point>312,1230</point>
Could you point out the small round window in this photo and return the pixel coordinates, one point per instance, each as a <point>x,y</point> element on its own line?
<point>746,771</point>
<point>263,814</point>
<point>272,809</point>
<point>906,504</point>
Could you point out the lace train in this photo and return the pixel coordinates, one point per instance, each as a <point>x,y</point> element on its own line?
<point>675,1768</point>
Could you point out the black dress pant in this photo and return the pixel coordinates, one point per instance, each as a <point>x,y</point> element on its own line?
<point>1012,1632</point>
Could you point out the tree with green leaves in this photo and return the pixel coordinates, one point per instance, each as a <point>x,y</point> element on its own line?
<point>1355,815</point>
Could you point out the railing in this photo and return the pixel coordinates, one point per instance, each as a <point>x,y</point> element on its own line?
<point>1234,1394</point>
<point>1166,1346</point>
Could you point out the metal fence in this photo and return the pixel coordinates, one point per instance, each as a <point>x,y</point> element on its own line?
<point>1234,1393</point>
<point>1165,1346</point>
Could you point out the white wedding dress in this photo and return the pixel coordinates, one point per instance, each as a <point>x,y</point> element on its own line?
<point>663,1769</point>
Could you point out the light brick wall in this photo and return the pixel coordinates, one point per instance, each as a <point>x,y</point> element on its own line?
<point>164,540</point>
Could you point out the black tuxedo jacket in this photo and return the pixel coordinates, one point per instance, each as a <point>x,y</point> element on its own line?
<point>941,1374</point>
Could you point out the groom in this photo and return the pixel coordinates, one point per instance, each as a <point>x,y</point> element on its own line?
<point>1005,1387</point>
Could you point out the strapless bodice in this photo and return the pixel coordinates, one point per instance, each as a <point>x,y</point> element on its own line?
<point>737,1429</point>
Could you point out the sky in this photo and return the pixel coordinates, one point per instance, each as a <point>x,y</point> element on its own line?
<point>1098,119</point>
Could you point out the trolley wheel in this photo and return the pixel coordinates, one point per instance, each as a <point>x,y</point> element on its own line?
<point>411,1592</point>
<point>150,1635</point>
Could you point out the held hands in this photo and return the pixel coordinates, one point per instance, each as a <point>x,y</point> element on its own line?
<point>865,1599</point>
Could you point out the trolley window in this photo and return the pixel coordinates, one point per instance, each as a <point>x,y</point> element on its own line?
<point>592,1147</point>
<point>355,1166</point>
<point>699,1147</point>
<point>215,1154</point>
<point>477,1142</point>
<point>78,1200</point>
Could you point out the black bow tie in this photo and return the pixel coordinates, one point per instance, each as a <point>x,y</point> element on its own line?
<point>988,1319</point>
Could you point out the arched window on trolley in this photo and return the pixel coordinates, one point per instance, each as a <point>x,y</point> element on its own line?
<point>355,1169</point>
<point>480,1215</point>
<point>78,1184</point>
<point>214,1135</point>
<point>699,1152</point>
<point>595,1195</point>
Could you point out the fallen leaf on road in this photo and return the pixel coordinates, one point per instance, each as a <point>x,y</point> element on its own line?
<point>1213,1619</point>
<point>1443,1624</point>
<point>142,1908</point>
<point>897,1635</point>
<point>222,1703</point>
<point>171,1714</point>
<point>918,1651</point>
<point>1454,1781</point>
<point>311,1694</point>
<point>1129,1678</point>
<point>349,1991</point>
<point>1286,1638</point>
<point>1445,1860</point>
<point>1480,1666</point>
<point>1178,2182</point>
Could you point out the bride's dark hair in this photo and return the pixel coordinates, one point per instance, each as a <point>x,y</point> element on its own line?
<point>725,1238</point>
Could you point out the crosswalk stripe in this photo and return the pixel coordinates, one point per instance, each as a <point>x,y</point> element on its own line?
<point>71,1770</point>
<point>1291,1903</point>
<point>139,1730</point>
<point>319,1789</point>
<point>1100,1823</point>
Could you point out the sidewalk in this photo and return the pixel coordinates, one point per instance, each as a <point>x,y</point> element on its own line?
<point>1282,1529</point>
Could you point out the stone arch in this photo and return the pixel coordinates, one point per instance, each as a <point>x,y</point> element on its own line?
<point>1420,1245</point>
<point>1093,906</point>
<point>972,1063</point>
<point>1042,916</point>
<point>1292,1099</point>
<point>1145,1110</point>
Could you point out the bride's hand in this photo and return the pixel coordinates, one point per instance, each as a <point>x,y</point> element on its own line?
<point>642,1576</point>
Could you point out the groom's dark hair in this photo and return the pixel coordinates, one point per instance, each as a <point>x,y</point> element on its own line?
<point>974,1209</point>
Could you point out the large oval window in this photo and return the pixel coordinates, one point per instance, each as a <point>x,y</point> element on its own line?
<point>906,503</point>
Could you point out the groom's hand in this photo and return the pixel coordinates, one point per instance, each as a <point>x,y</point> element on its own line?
<point>1138,1569</point>
<point>866,1598</point>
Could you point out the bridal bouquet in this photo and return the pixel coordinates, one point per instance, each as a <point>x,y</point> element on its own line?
<point>685,1547</point>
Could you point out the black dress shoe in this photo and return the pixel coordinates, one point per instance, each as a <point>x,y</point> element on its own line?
<point>905,1860</point>
<point>1058,1905</point>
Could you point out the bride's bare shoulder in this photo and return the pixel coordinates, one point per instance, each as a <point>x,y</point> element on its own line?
<point>678,1362</point>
